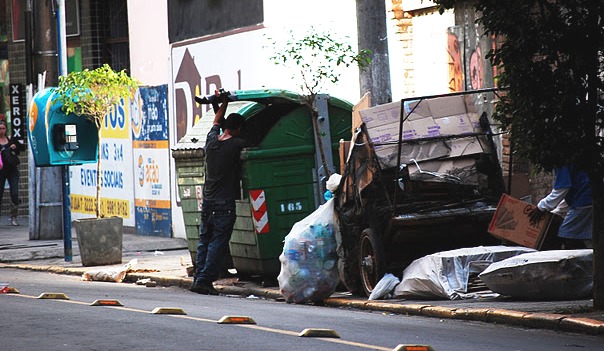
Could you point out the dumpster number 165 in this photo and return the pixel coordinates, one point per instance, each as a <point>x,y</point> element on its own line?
<point>290,206</point>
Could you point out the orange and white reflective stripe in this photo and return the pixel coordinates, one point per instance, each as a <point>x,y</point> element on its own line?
<point>259,213</point>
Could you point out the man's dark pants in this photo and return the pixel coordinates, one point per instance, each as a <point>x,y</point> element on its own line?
<point>217,221</point>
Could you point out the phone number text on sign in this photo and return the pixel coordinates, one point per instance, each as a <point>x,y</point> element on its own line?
<point>113,152</point>
<point>109,207</point>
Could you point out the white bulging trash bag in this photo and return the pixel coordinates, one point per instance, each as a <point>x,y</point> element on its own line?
<point>544,275</point>
<point>309,270</point>
<point>445,274</point>
<point>384,289</point>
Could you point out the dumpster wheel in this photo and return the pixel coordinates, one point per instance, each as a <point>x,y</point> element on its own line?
<point>371,259</point>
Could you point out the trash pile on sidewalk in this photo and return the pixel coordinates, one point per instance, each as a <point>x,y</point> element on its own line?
<point>517,272</point>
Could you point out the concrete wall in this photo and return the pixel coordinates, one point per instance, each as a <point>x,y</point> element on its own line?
<point>149,45</point>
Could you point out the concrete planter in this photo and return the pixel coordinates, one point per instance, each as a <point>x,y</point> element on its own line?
<point>99,240</point>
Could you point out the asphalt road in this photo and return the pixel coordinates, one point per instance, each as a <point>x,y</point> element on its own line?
<point>30,323</point>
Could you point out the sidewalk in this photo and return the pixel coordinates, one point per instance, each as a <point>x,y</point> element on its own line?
<point>165,261</point>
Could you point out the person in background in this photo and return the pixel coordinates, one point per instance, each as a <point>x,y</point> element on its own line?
<point>572,186</point>
<point>220,190</point>
<point>10,149</point>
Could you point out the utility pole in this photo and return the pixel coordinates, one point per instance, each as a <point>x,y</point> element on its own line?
<point>46,219</point>
<point>371,28</point>
<point>45,57</point>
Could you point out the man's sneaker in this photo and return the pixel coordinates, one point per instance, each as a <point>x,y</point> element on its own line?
<point>212,290</point>
<point>13,221</point>
<point>196,288</point>
<point>203,288</point>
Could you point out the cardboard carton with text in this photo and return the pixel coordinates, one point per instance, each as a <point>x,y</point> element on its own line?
<point>511,222</point>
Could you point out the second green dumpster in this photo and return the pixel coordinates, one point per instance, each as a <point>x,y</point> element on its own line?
<point>283,179</point>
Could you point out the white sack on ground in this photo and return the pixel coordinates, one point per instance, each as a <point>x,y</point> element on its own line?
<point>110,274</point>
<point>445,274</point>
<point>544,275</point>
<point>384,289</point>
<point>309,270</point>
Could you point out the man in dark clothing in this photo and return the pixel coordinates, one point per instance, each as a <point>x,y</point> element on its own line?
<point>220,190</point>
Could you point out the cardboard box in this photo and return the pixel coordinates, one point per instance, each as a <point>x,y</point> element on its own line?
<point>423,151</point>
<point>442,166</point>
<point>381,115</point>
<point>363,104</point>
<point>414,117</point>
<point>424,128</point>
<point>474,119</point>
<point>447,106</point>
<point>511,222</point>
<point>418,107</point>
<point>470,101</point>
<point>387,133</point>
<point>466,146</point>
<point>454,125</point>
<point>416,129</point>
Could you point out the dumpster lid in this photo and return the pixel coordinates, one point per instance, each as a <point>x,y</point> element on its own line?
<point>196,136</point>
<point>247,103</point>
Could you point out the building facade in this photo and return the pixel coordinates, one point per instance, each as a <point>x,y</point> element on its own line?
<point>178,49</point>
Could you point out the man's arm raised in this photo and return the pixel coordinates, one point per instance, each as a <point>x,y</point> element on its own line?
<point>220,113</point>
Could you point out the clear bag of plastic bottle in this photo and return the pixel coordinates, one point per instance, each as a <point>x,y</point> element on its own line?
<point>309,270</point>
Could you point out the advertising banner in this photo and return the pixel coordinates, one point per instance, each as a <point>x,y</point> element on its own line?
<point>152,164</point>
<point>18,112</point>
<point>117,192</point>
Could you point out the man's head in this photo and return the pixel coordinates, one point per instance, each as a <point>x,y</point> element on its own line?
<point>234,122</point>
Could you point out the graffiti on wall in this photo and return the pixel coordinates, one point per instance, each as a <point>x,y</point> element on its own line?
<point>475,65</point>
<point>476,69</point>
<point>455,63</point>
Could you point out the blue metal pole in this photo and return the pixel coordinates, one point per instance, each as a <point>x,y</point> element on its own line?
<point>62,51</point>
<point>66,216</point>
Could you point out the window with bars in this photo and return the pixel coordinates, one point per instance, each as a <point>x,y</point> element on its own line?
<point>111,42</point>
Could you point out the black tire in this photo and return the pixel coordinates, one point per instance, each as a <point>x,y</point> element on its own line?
<point>371,260</point>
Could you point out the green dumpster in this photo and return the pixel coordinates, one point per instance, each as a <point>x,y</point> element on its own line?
<point>282,177</point>
<point>189,158</point>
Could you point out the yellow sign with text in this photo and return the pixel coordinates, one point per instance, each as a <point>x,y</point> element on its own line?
<point>109,207</point>
<point>117,122</point>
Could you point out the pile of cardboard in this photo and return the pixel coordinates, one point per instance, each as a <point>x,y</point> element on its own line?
<point>437,133</point>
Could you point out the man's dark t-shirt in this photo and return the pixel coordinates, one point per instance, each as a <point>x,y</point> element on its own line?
<point>223,166</point>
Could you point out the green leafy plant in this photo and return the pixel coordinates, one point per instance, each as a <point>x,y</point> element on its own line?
<point>315,57</point>
<point>93,94</point>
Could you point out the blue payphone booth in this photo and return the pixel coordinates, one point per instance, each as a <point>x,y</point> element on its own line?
<point>57,138</point>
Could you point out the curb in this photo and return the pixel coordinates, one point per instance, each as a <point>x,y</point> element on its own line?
<point>551,321</point>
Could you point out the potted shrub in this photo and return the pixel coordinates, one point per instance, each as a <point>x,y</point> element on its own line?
<point>93,94</point>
